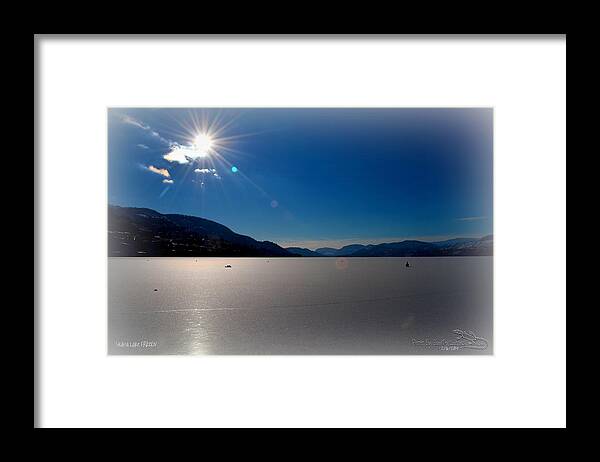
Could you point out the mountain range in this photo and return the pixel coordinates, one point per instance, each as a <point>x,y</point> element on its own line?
<point>145,232</point>
<point>408,248</point>
<point>136,231</point>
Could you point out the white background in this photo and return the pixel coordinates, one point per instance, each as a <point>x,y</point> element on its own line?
<point>523,384</point>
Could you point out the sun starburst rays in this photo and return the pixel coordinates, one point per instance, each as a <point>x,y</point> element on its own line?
<point>209,147</point>
<point>204,138</point>
<point>204,150</point>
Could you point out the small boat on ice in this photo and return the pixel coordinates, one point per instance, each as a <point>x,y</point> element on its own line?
<point>227,266</point>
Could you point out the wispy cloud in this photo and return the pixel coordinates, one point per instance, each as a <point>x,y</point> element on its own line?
<point>471,218</point>
<point>142,146</point>
<point>179,154</point>
<point>127,119</point>
<point>168,181</point>
<point>183,154</point>
<point>208,171</point>
<point>157,135</point>
<point>132,121</point>
<point>160,171</point>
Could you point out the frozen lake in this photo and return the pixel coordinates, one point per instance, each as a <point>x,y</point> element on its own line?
<point>299,305</point>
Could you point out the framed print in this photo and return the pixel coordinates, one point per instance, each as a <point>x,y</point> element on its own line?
<point>300,231</point>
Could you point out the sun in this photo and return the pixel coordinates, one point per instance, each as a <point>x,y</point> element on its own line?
<point>203,143</point>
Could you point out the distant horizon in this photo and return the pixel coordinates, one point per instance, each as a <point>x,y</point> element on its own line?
<point>338,244</point>
<point>331,243</point>
<point>310,177</point>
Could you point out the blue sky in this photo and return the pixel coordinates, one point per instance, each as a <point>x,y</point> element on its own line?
<point>309,177</point>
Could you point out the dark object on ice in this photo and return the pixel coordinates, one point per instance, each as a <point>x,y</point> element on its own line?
<point>407,265</point>
<point>227,266</point>
<point>155,290</point>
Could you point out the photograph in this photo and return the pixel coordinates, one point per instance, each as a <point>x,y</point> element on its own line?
<point>300,231</point>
